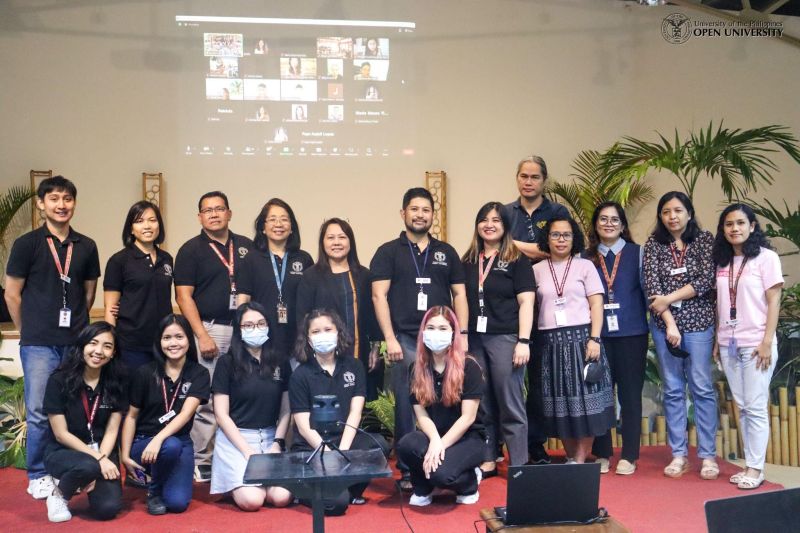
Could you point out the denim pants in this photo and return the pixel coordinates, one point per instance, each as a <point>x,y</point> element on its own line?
<point>750,389</point>
<point>172,473</point>
<point>38,362</point>
<point>695,371</point>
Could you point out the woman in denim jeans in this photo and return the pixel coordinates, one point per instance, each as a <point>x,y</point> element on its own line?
<point>679,279</point>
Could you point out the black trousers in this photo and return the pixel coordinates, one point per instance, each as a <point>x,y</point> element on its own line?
<point>75,470</point>
<point>627,357</point>
<point>533,403</point>
<point>457,471</point>
<point>338,505</point>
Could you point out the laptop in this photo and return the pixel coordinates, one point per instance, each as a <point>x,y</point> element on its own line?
<point>549,494</point>
<point>766,512</point>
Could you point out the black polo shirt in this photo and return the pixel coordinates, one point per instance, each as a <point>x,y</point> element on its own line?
<point>196,265</point>
<point>42,296</point>
<point>58,401</point>
<point>254,401</point>
<point>394,262</point>
<point>258,280</point>
<point>309,380</point>
<point>443,416</point>
<point>505,281</point>
<point>146,394</point>
<point>527,228</point>
<point>146,294</point>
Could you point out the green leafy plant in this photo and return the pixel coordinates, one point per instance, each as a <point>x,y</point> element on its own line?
<point>380,412</point>
<point>783,225</point>
<point>14,199</point>
<point>739,158</point>
<point>13,427</point>
<point>591,185</point>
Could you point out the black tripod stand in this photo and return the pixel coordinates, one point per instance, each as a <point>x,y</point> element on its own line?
<point>324,419</point>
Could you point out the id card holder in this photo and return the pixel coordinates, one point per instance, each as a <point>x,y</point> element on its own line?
<point>677,271</point>
<point>94,446</point>
<point>422,301</point>
<point>612,321</point>
<point>733,347</point>
<point>232,302</point>
<point>481,326</point>
<point>65,278</point>
<point>677,305</point>
<point>167,417</point>
<point>64,318</point>
<point>283,313</point>
<point>611,306</point>
<point>560,301</point>
<point>423,281</point>
<point>732,323</point>
<point>561,317</point>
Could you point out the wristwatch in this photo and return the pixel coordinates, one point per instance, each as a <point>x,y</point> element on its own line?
<point>281,443</point>
<point>464,332</point>
<point>523,340</point>
<point>598,340</point>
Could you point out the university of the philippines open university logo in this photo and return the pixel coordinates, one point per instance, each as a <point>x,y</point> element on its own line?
<point>675,28</point>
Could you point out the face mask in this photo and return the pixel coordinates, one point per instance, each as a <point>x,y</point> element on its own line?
<point>436,340</point>
<point>255,338</point>
<point>324,342</point>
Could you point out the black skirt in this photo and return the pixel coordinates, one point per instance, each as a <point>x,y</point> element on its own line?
<point>572,408</point>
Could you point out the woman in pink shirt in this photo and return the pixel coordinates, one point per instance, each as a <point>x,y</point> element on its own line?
<point>749,282</point>
<point>576,389</point>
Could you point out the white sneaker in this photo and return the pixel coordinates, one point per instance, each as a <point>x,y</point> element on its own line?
<point>467,499</point>
<point>605,464</point>
<point>478,474</point>
<point>41,488</point>
<point>57,509</point>
<point>420,501</point>
<point>571,461</point>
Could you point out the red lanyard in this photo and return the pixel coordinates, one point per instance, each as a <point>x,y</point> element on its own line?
<point>484,273</point>
<point>610,279</point>
<point>733,287</point>
<point>62,272</point>
<point>679,257</point>
<point>559,287</point>
<point>90,414</point>
<point>227,264</point>
<point>168,406</point>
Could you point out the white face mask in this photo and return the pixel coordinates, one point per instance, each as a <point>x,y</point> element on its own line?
<point>437,340</point>
<point>256,337</point>
<point>324,342</point>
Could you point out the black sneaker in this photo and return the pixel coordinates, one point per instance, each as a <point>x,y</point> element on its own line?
<point>202,473</point>
<point>155,505</point>
<point>538,455</point>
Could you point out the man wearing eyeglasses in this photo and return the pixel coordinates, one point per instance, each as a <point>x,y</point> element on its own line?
<point>206,269</point>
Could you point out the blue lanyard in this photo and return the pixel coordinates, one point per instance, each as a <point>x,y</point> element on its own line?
<point>424,261</point>
<point>279,279</point>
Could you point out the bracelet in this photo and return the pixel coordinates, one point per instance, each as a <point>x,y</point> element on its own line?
<point>281,443</point>
<point>464,332</point>
<point>523,340</point>
<point>101,458</point>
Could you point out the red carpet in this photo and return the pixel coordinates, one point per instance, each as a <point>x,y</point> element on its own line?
<point>645,502</point>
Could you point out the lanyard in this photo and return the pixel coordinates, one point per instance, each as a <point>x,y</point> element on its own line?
<point>733,287</point>
<point>279,279</point>
<point>90,414</point>
<point>62,272</point>
<point>227,264</point>
<point>610,279</point>
<point>355,313</point>
<point>680,256</point>
<point>484,273</point>
<point>559,286</point>
<point>168,406</point>
<point>424,262</point>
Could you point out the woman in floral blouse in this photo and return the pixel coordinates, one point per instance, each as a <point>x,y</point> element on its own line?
<point>679,279</point>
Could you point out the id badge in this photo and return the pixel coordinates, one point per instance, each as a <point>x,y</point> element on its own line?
<point>283,314</point>
<point>423,281</point>
<point>677,305</point>
<point>64,318</point>
<point>482,321</point>
<point>560,301</point>
<point>676,271</point>
<point>610,306</point>
<point>561,318</point>
<point>94,446</point>
<point>232,302</point>
<point>613,322</point>
<point>732,323</point>
<point>422,301</point>
<point>167,417</point>
<point>733,347</point>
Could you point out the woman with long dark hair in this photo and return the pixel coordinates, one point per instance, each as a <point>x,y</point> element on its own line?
<point>618,260</point>
<point>500,294</point>
<point>576,390</point>
<point>446,390</point>
<point>164,396</point>
<point>679,280</point>
<point>83,401</point>
<point>271,274</point>
<point>137,284</point>
<point>749,282</point>
<point>339,282</point>
<point>251,402</point>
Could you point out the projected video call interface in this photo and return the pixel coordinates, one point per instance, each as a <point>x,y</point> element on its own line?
<point>268,91</point>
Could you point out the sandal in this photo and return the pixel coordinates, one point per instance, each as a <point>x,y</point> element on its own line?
<point>709,470</point>
<point>750,483</point>
<point>737,477</point>
<point>676,468</point>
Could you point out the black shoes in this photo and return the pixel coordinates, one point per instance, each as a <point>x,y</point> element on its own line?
<point>538,455</point>
<point>155,505</point>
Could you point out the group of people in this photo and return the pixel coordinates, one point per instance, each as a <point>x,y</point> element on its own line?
<point>263,328</point>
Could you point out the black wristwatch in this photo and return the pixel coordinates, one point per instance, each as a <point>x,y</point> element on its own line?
<point>598,340</point>
<point>464,332</point>
<point>281,443</point>
<point>523,340</point>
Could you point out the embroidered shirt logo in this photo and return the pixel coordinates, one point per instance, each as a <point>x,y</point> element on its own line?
<point>242,252</point>
<point>297,267</point>
<point>440,258</point>
<point>167,270</point>
<point>349,379</point>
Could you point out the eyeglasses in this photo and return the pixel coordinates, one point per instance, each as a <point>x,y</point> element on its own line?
<point>249,326</point>
<point>557,236</point>
<point>273,221</point>
<point>208,210</point>
<point>613,221</point>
